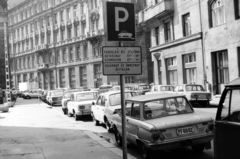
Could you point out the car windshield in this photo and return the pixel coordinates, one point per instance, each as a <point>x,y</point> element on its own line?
<point>143,87</point>
<point>86,96</point>
<point>57,93</point>
<point>194,88</point>
<point>166,88</point>
<point>115,99</point>
<point>68,94</point>
<point>166,107</point>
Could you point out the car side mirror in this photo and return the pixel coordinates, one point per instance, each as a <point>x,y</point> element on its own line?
<point>93,103</point>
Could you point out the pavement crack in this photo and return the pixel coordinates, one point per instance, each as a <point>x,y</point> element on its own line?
<point>41,150</point>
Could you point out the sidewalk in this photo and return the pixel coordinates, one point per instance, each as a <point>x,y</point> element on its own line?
<point>19,141</point>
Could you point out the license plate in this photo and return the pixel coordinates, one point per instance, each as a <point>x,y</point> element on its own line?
<point>202,96</point>
<point>184,131</point>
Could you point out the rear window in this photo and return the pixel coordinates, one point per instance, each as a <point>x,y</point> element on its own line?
<point>166,107</point>
<point>166,88</point>
<point>143,87</point>
<point>115,99</point>
<point>86,96</point>
<point>194,88</point>
<point>57,93</point>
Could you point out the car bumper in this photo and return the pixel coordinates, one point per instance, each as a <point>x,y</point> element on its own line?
<point>84,112</point>
<point>180,143</point>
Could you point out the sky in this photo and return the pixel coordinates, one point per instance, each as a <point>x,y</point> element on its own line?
<point>12,3</point>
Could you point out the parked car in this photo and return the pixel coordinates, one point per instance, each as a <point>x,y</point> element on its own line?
<point>44,96</point>
<point>159,89</point>
<point>104,88</point>
<point>227,123</point>
<point>195,93</point>
<point>106,104</point>
<point>118,88</point>
<point>142,89</point>
<point>32,94</point>
<point>66,99</point>
<point>54,97</point>
<point>163,121</point>
<point>80,103</point>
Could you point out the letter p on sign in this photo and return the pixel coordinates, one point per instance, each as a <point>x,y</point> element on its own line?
<point>120,21</point>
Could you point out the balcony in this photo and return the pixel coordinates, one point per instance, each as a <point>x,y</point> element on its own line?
<point>43,67</point>
<point>76,21</point>
<point>83,17</point>
<point>41,48</point>
<point>159,10</point>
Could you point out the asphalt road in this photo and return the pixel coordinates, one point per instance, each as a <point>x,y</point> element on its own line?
<point>86,123</point>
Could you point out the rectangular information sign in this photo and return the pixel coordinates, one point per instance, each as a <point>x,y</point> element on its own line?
<point>122,60</point>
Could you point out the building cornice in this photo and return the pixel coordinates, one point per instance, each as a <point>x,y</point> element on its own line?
<point>177,42</point>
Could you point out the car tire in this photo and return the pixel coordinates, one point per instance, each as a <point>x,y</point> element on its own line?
<point>96,122</point>
<point>64,111</point>
<point>108,127</point>
<point>69,114</point>
<point>76,117</point>
<point>198,148</point>
<point>145,152</point>
<point>118,137</point>
<point>28,97</point>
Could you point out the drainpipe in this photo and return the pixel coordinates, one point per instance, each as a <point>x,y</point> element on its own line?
<point>203,46</point>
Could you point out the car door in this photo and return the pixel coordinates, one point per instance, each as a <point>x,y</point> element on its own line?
<point>227,125</point>
<point>132,121</point>
<point>70,103</point>
<point>101,109</point>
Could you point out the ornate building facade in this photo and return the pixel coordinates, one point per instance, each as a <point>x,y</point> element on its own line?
<point>57,44</point>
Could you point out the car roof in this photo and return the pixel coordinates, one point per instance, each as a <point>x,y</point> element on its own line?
<point>150,97</point>
<point>235,82</point>
<point>84,92</point>
<point>163,85</point>
<point>73,90</point>
<point>114,92</point>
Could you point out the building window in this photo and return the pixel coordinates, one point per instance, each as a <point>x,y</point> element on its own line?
<point>217,13</point>
<point>69,33</point>
<point>70,54</point>
<point>62,78</point>
<point>68,14</point>
<point>237,8</point>
<point>190,68</point>
<point>61,15</point>
<point>78,52</point>
<point>72,78</point>
<point>58,57</point>
<point>96,51</point>
<point>62,35</point>
<point>186,24</point>
<point>83,76</point>
<point>75,10</point>
<point>64,55</point>
<point>85,54</point>
<point>172,71</point>
<point>52,81</point>
<point>129,79</point>
<point>167,31</point>
<point>97,75</point>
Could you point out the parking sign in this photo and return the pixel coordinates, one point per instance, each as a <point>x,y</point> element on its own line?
<point>120,21</point>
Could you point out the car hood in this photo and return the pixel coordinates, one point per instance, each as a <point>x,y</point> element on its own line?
<point>178,120</point>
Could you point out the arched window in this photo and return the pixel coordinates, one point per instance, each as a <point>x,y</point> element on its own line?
<point>217,13</point>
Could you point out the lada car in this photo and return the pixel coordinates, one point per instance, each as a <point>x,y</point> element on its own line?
<point>159,89</point>
<point>195,93</point>
<point>32,94</point>
<point>106,104</point>
<point>118,88</point>
<point>80,103</point>
<point>163,121</point>
<point>54,97</point>
<point>227,123</point>
<point>142,89</point>
<point>66,98</point>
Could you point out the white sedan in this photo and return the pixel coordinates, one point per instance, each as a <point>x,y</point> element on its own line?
<point>80,103</point>
<point>105,106</point>
<point>159,89</point>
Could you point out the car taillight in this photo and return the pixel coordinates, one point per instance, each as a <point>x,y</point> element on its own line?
<point>82,107</point>
<point>209,96</point>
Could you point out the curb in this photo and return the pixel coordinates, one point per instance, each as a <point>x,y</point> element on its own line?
<point>107,145</point>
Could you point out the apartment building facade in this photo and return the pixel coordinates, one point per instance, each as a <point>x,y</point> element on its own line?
<point>3,19</point>
<point>176,40</point>
<point>57,44</point>
<point>221,37</point>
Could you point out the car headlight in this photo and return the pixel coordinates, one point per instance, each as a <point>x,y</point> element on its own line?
<point>156,135</point>
<point>81,107</point>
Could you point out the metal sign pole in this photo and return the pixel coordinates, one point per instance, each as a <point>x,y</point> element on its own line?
<point>124,137</point>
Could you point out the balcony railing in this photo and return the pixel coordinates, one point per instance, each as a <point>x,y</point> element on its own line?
<point>159,10</point>
<point>43,66</point>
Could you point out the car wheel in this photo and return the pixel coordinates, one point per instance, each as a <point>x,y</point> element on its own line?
<point>198,148</point>
<point>146,154</point>
<point>96,122</point>
<point>64,111</point>
<point>108,126</point>
<point>69,114</point>
<point>76,117</point>
<point>28,97</point>
<point>118,137</point>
